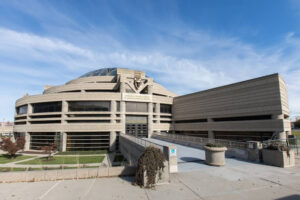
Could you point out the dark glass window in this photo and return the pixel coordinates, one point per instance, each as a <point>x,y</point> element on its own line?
<point>89,106</point>
<point>22,110</point>
<point>47,107</point>
<point>165,108</point>
<point>136,107</point>
<point>118,106</point>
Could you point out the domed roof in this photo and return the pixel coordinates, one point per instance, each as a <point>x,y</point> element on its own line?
<point>101,72</point>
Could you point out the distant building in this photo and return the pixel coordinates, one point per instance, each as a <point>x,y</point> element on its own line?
<point>6,129</point>
<point>89,112</point>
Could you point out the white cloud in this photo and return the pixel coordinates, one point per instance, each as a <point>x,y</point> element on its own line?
<point>203,62</point>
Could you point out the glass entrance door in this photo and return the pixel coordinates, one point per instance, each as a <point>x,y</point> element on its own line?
<point>137,126</point>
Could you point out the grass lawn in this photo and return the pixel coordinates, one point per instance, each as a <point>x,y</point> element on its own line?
<point>6,159</point>
<point>9,169</point>
<point>65,160</point>
<point>82,152</point>
<point>297,133</point>
<point>19,169</point>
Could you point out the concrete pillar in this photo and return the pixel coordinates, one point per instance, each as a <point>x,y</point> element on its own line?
<point>123,117</point>
<point>64,109</point>
<point>63,141</point>
<point>29,109</point>
<point>211,135</point>
<point>112,140</point>
<point>122,86</point>
<point>171,155</point>
<point>281,135</point>
<point>27,141</point>
<point>150,119</point>
<point>157,115</point>
<point>150,89</point>
<point>113,109</point>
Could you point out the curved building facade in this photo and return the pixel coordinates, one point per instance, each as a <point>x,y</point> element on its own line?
<point>88,113</point>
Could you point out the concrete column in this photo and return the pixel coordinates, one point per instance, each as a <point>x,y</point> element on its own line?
<point>122,86</point>
<point>29,111</point>
<point>211,135</point>
<point>122,114</point>
<point>171,154</point>
<point>112,140</point>
<point>113,111</point>
<point>150,89</point>
<point>64,109</point>
<point>112,136</point>
<point>157,116</point>
<point>150,119</point>
<point>27,142</point>
<point>281,135</point>
<point>63,141</point>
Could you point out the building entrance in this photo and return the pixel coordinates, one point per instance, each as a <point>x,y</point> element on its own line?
<point>137,126</point>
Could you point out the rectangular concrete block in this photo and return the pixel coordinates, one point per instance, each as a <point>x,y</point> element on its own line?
<point>278,158</point>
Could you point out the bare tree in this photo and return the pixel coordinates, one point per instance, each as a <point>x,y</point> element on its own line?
<point>50,149</point>
<point>12,147</point>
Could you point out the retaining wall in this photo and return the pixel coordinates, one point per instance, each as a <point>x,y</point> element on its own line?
<point>65,174</point>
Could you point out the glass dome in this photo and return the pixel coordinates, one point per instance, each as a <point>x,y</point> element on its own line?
<point>101,72</point>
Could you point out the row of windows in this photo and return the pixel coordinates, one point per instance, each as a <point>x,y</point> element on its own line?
<point>78,106</point>
<point>22,110</point>
<point>47,107</point>
<point>89,106</point>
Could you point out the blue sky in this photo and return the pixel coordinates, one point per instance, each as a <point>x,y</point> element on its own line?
<point>210,43</point>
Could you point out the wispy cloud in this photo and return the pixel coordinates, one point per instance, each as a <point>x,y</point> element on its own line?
<point>195,61</point>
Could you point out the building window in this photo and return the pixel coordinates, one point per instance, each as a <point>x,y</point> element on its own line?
<point>89,106</point>
<point>165,108</point>
<point>118,106</point>
<point>22,110</point>
<point>136,107</point>
<point>154,107</point>
<point>47,107</point>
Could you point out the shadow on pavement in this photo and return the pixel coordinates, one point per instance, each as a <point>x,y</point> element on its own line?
<point>291,197</point>
<point>191,159</point>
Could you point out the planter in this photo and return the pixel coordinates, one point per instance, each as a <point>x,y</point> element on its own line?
<point>278,158</point>
<point>215,155</point>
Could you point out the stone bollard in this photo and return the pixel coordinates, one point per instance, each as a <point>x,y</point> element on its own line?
<point>171,155</point>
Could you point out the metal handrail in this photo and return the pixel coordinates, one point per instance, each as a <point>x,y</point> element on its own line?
<point>203,141</point>
<point>141,141</point>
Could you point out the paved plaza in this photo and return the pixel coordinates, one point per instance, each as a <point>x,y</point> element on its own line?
<point>195,180</point>
<point>249,181</point>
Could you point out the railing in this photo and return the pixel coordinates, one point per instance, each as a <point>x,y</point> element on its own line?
<point>204,141</point>
<point>291,143</point>
<point>142,142</point>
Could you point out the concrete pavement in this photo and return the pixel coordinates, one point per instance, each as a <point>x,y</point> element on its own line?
<point>249,181</point>
<point>192,159</point>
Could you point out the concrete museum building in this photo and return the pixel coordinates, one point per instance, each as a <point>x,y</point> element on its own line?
<point>90,112</point>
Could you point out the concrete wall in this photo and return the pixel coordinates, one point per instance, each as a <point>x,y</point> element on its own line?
<point>132,150</point>
<point>257,97</point>
<point>64,174</point>
<point>97,88</point>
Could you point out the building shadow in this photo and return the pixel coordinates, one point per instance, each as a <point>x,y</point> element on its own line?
<point>291,197</point>
<point>192,159</point>
<point>129,179</point>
